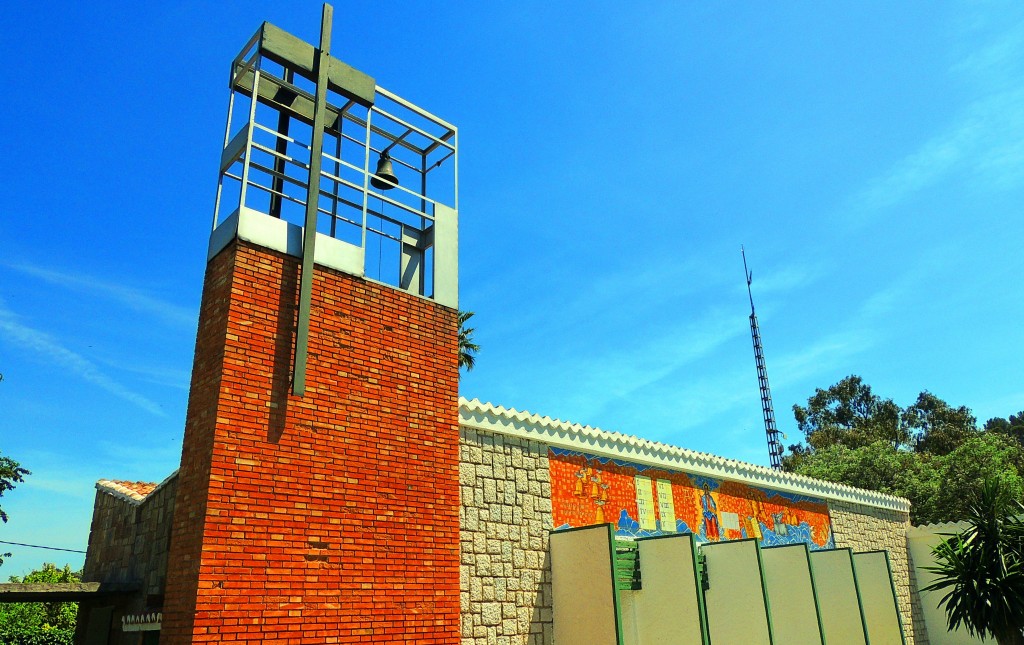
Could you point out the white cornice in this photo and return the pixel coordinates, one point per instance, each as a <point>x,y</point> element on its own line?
<point>562,434</point>
<point>937,529</point>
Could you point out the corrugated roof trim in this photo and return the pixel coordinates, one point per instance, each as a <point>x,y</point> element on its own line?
<point>132,492</point>
<point>495,418</point>
<point>938,527</point>
<point>144,622</point>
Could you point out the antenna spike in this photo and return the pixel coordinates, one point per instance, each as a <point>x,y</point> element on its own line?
<point>775,448</point>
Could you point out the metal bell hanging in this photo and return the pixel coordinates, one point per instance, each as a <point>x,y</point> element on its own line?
<point>385,173</point>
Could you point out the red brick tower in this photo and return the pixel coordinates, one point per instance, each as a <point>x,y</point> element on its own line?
<point>318,492</point>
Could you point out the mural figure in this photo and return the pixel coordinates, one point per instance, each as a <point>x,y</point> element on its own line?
<point>754,520</point>
<point>780,526</point>
<point>580,476</point>
<point>710,508</point>
<point>595,481</point>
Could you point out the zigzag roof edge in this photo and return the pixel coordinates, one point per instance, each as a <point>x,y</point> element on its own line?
<point>496,418</point>
<point>946,527</point>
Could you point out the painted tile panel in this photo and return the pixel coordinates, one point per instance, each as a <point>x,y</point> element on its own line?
<point>644,501</point>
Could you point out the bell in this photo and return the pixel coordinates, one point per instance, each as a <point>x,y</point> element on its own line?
<point>385,173</point>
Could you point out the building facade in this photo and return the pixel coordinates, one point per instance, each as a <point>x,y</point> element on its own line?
<point>518,482</point>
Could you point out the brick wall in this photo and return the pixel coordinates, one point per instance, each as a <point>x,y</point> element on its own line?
<point>327,518</point>
<point>864,528</point>
<point>505,520</point>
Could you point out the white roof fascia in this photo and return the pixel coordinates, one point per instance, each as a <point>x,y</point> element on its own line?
<point>573,436</point>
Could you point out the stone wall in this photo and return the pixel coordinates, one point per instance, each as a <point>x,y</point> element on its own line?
<point>865,528</point>
<point>128,543</point>
<point>505,518</point>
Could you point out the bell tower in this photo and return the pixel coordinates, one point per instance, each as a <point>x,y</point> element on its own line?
<point>318,492</point>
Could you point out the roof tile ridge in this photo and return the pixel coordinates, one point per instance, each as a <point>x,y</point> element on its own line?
<point>112,487</point>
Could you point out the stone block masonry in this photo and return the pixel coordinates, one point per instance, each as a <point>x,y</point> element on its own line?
<point>327,518</point>
<point>128,543</point>
<point>505,520</point>
<point>507,459</point>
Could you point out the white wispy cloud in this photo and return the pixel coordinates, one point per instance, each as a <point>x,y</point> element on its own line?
<point>784,279</point>
<point>178,379</point>
<point>45,345</point>
<point>921,168</point>
<point>632,368</point>
<point>995,57</point>
<point>825,354</point>
<point>985,142</point>
<point>134,299</point>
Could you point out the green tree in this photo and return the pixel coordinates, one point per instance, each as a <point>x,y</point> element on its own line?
<point>11,473</point>
<point>40,622</point>
<point>940,428</point>
<point>467,348</point>
<point>987,456</point>
<point>1011,427</point>
<point>879,466</point>
<point>982,567</point>
<point>931,453</point>
<point>850,414</point>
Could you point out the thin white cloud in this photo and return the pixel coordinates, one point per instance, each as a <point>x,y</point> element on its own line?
<point>169,377</point>
<point>49,348</point>
<point>134,299</point>
<point>995,58</point>
<point>144,454</point>
<point>638,365</point>
<point>924,167</point>
<point>824,355</point>
<point>76,486</point>
<point>784,279</point>
<point>985,143</point>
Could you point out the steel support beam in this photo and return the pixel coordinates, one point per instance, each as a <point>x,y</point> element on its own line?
<point>322,66</point>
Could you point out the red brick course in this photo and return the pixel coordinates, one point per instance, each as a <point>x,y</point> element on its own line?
<point>330,518</point>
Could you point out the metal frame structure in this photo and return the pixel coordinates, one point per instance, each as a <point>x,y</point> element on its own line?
<point>303,129</point>
<point>775,448</point>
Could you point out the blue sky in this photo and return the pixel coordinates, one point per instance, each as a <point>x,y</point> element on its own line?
<point>613,159</point>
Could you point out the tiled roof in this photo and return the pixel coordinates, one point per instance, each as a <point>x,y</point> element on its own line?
<point>133,492</point>
<point>130,491</point>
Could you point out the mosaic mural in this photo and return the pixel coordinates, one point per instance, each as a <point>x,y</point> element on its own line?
<point>644,501</point>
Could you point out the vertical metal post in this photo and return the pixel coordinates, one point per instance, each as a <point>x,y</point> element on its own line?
<point>249,127</point>
<point>281,147</point>
<point>366,185</point>
<point>455,160</point>
<point>337,173</point>
<point>227,139</point>
<point>312,201</point>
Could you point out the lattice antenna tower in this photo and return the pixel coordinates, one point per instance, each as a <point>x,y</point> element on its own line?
<point>772,433</point>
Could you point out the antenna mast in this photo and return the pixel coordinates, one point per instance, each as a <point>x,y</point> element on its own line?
<point>775,448</point>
